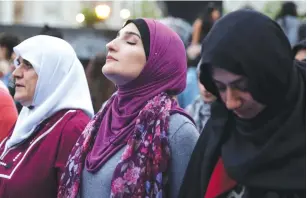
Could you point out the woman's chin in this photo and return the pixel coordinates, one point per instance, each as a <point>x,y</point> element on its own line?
<point>113,76</point>
<point>18,98</point>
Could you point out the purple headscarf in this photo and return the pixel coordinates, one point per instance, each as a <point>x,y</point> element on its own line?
<point>165,71</point>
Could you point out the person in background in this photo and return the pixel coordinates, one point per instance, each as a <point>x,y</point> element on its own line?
<point>101,88</point>
<point>180,26</point>
<point>288,20</point>
<point>302,31</point>
<point>254,144</point>
<point>139,143</point>
<point>184,30</point>
<point>299,51</point>
<point>7,55</point>
<point>51,31</point>
<point>8,111</point>
<point>201,27</point>
<point>200,109</point>
<point>52,88</point>
<point>7,43</point>
<point>248,7</point>
<point>4,70</point>
<point>191,91</point>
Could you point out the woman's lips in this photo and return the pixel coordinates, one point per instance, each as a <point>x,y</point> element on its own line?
<point>110,58</point>
<point>18,85</point>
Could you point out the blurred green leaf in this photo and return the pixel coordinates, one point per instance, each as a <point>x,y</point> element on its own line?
<point>271,8</point>
<point>90,16</point>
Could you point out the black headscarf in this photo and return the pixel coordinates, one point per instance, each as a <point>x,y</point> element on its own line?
<point>267,152</point>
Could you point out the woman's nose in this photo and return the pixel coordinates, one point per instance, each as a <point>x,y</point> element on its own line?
<point>17,73</point>
<point>232,99</point>
<point>111,46</point>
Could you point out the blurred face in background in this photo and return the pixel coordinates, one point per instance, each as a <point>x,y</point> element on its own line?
<point>206,95</point>
<point>215,14</point>
<point>3,53</point>
<point>4,68</point>
<point>126,56</point>
<point>300,54</point>
<point>4,56</point>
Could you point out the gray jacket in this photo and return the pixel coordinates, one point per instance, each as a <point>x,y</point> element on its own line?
<point>182,138</point>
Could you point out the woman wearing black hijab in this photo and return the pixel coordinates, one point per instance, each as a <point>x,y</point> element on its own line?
<point>253,146</point>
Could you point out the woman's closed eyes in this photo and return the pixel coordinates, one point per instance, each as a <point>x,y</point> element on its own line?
<point>131,43</point>
<point>131,37</point>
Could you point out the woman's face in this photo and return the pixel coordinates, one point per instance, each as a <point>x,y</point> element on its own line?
<point>300,55</point>
<point>206,95</point>
<point>233,90</point>
<point>126,56</point>
<point>215,14</point>
<point>25,82</point>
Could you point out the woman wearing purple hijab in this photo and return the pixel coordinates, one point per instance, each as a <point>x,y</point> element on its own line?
<point>139,143</point>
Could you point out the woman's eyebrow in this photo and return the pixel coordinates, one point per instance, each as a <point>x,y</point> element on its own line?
<point>132,33</point>
<point>232,82</point>
<point>237,80</point>
<point>26,62</point>
<point>129,33</point>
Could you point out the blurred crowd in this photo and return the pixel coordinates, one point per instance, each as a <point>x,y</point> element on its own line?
<point>194,101</point>
<point>192,35</point>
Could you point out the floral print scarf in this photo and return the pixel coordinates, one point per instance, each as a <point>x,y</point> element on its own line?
<point>142,169</point>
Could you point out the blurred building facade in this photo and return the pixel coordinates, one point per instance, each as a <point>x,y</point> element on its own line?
<point>37,13</point>
<point>232,5</point>
<point>63,13</point>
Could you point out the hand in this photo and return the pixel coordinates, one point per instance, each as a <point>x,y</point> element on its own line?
<point>193,51</point>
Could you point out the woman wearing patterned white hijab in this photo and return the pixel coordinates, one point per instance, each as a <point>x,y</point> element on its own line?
<point>51,86</point>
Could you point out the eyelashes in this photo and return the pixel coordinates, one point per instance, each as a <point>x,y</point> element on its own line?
<point>131,43</point>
